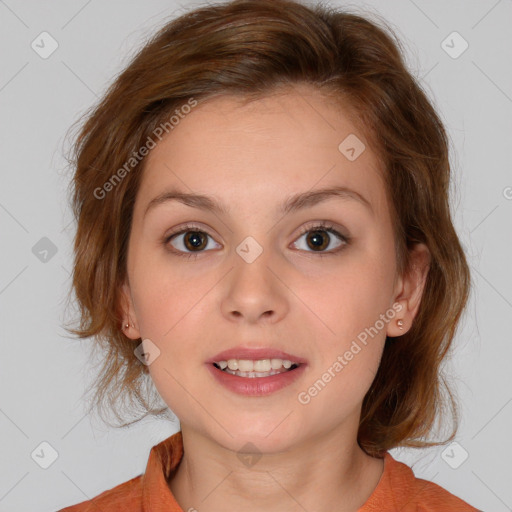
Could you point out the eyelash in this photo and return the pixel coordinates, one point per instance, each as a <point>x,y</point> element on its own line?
<point>322,226</point>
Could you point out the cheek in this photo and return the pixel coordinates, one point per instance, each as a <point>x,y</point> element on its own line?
<point>353,305</point>
<point>163,294</point>
<point>350,346</point>
<point>351,295</point>
<point>338,389</point>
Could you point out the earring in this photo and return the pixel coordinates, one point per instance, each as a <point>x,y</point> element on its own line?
<point>400,324</point>
<point>126,326</point>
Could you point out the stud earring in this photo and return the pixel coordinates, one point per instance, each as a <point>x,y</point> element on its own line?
<point>126,326</point>
<point>400,324</point>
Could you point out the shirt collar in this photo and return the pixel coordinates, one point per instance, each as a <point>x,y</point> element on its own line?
<point>163,458</point>
<point>395,488</point>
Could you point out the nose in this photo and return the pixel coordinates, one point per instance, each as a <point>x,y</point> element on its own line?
<point>254,292</point>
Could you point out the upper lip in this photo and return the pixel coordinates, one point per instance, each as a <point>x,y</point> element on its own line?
<point>254,354</point>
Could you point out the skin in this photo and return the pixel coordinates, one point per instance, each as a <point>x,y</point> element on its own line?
<point>251,158</point>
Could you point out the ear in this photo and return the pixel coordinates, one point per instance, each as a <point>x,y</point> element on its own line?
<point>409,289</point>
<point>128,315</point>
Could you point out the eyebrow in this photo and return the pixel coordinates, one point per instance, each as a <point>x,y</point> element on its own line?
<point>293,203</point>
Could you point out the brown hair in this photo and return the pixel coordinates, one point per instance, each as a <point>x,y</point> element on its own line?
<point>249,48</point>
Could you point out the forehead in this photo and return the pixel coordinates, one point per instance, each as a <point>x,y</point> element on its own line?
<point>259,151</point>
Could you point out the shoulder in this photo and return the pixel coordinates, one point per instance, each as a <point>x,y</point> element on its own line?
<point>148,491</point>
<point>125,497</point>
<point>434,498</point>
<point>400,489</point>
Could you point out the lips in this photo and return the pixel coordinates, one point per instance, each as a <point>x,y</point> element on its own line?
<point>255,354</point>
<point>257,386</point>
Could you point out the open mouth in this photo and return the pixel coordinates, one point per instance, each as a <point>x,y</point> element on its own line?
<point>253,369</point>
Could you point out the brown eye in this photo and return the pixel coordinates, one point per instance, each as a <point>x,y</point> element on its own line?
<point>319,238</point>
<point>188,241</point>
<point>195,240</point>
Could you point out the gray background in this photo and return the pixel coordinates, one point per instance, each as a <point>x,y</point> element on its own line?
<point>43,372</point>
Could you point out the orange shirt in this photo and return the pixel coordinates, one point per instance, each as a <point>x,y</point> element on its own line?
<point>398,489</point>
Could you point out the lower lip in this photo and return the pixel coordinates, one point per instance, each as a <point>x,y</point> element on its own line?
<point>256,386</point>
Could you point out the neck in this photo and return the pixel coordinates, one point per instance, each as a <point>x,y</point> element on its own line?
<point>320,473</point>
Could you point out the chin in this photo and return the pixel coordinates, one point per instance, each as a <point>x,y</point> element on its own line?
<point>264,436</point>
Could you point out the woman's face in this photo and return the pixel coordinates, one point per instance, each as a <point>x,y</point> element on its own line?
<point>259,275</point>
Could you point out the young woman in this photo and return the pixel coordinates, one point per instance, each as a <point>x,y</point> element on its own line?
<point>264,234</point>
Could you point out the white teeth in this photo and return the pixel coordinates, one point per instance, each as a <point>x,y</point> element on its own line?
<point>254,374</point>
<point>260,365</point>
<point>255,368</point>
<point>233,364</point>
<point>245,365</point>
<point>276,363</point>
<point>263,365</point>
